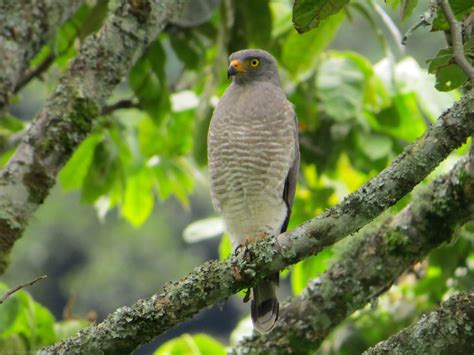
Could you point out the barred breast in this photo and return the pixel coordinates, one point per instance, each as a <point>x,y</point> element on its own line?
<point>251,149</point>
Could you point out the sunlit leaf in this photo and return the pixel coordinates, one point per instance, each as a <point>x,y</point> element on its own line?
<point>307,14</point>
<point>21,315</point>
<point>203,229</point>
<point>187,344</point>
<point>138,198</point>
<point>225,247</point>
<point>407,8</point>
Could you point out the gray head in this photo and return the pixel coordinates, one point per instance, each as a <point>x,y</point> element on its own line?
<point>250,65</point>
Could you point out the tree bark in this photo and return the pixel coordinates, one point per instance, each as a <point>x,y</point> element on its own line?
<point>448,330</point>
<point>370,264</point>
<point>67,117</point>
<point>25,26</point>
<point>215,281</point>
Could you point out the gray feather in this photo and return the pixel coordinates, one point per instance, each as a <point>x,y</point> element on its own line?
<point>253,159</point>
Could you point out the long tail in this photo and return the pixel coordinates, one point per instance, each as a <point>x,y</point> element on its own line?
<point>264,309</point>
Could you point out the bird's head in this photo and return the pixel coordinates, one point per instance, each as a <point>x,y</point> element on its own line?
<point>251,65</point>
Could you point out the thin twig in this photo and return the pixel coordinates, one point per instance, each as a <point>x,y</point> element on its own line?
<point>456,37</point>
<point>19,287</point>
<point>40,69</point>
<point>120,105</point>
<point>425,20</point>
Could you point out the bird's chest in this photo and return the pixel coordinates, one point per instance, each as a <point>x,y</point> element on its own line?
<point>250,160</point>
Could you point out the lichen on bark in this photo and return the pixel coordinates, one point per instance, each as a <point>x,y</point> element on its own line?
<point>447,330</point>
<point>215,281</point>
<point>25,26</point>
<point>369,265</point>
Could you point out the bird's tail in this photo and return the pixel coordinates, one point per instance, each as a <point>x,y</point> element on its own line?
<point>264,307</point>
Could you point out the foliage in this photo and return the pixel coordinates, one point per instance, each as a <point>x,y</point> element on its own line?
<point>355,115</point>
<point>26,325</point>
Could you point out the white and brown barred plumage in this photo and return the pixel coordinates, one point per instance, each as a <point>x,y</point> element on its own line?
<point>253,158</point>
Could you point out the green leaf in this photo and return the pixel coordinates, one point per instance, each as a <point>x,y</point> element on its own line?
<point>68,328</point>
<point>138,199</point>
<point>300,52</point>
<point>173,177</point>
<point>307,14</point>
<point>340,85</point>
<point>11,123</point>
<point>403,119</point>
<point>188,48</point>
<point>460,9</point>
<point>73,173</point>
<point>393,4</point>
<point>44,327</point>
<point>203,229</point>
<point>407,8</point>
<point>376,95</point>
<point>187,344</point>
<point>449,75</point>
<point>147,81</point>
<point>104,171</point>
<point>308,269</point>
<point>21,316</point>
<point>374,146</point>
<point>225,247</point>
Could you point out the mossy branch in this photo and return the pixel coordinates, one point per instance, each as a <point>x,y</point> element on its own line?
<point>370,264</point>
<point>25,26</point>
<point>104,59</point>
<point>214,281</point>
<point>448,330</point>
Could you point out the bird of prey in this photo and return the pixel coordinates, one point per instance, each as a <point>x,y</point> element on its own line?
<point>254,157</point>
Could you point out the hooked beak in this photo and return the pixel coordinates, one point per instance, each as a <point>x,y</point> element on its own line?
<point>235,67</point>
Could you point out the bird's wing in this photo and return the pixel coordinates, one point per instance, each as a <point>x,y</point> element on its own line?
<point>291,179</point>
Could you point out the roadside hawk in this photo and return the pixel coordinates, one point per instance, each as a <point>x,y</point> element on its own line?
<point>254,159</point>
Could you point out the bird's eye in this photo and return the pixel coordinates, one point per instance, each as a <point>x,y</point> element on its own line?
<point>254,62</point>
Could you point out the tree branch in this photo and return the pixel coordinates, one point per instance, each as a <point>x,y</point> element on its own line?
<point>370,264</point>
<point>57,130</point>
<point>446,330</point>
<point>19,287</point>
<point>25,26</point>
<point>456,36</point>
<point>215,281</point>
<point>36,72</point>
<point>121,104</point>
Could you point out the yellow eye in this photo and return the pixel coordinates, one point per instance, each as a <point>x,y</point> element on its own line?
<point>254,62</point>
